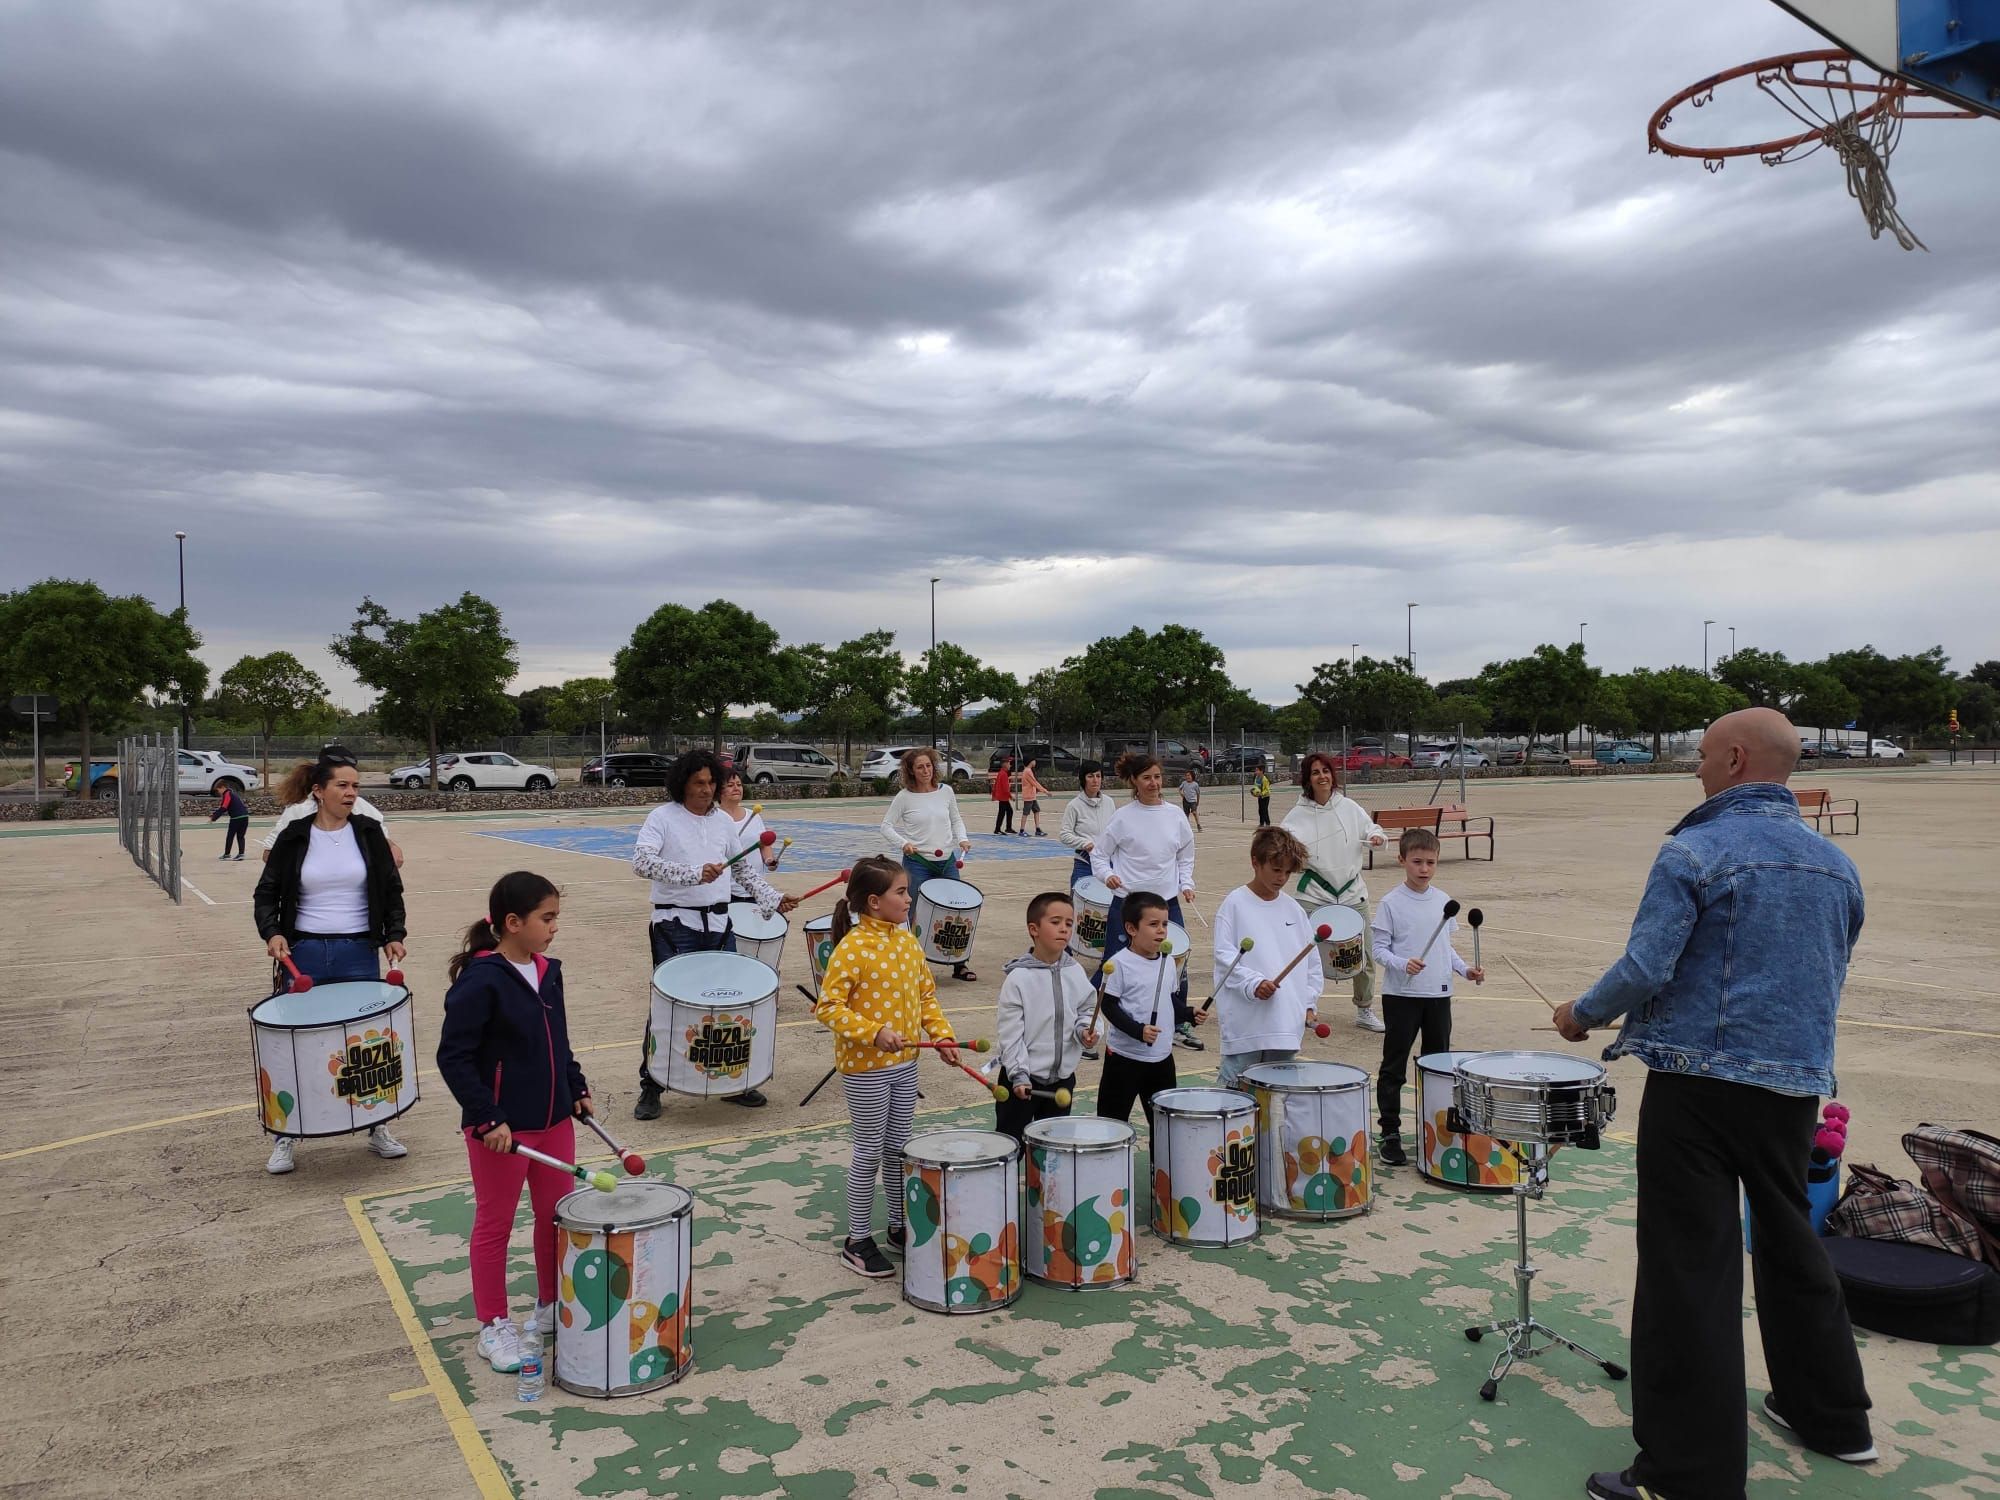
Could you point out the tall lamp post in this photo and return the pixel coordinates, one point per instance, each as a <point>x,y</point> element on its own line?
<point>1732,640</point>
<point>1579,630</point>
<point>180,546</point>
<point>933,665</point>
<point>1410,659</point>
<point>1354,656</point>
<point>1704,647</point>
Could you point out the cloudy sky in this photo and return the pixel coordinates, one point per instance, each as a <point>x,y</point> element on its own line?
<point>1266,318</point>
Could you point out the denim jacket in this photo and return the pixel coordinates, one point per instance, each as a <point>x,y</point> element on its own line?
<point>1739,950</point>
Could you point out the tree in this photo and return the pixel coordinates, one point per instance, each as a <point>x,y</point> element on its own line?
<point>687,666</point>
<point>1978,709</point>
<point>1548,687</point>
<point>582,704</point>
<point>1819,699</point>
<point>1675,699</point>
<point>847,691</point>
<point>1987,672</point>
<point>96,653</point>
<point>1607,710</point>
<point>1295,724</point>
<point>944,680</point>
<point>1764,678</point>
<point>1239,713</point>
<point>273,689</point>
<point>1446,715</point>
<point>532,708</point>
<point>1061,700</point>
<point>1910,693</point>
<point>1333,695</point>
<point>444,673</point>
<point>1144,679</point>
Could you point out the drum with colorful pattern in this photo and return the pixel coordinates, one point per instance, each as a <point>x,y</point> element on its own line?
<point>1204,1151</point>
<point>334,1059</point>
<point>1093,900</point>
<point>1343,953</point>
<point>1079,1229</point>
<point>962,1197</point>
<point>715,1015</point>
<point>625,1299</point>
<point>947,919</point>
<point>1448,1153</point>
<point>1312,1139</point>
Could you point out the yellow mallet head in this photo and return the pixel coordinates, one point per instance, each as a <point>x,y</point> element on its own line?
<point>980,1044</point>
<point>1063,1097</point>
<point>1246,945</point>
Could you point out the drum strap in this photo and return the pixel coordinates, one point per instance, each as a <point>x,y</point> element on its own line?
<point>1317,880</point>
<point>720,909</point>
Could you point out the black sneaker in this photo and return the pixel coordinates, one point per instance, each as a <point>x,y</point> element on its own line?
<point>1610,1485</point>
<point>1090,1054</point>
<point>865,1258</point>
<point>1184,1037</point>
<point>898,1240</point>
<point>749,1099</point>
<point>1862,1455</point>
<point>648,1107</point>
<point>1390,1149</point>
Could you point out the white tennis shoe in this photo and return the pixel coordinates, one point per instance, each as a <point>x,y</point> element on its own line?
<point>386,1145</point>
<point>501,1346</point>
<point>1367,1020</point>
<point>281,1160</point>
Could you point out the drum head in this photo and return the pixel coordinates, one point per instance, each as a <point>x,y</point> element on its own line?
<point>1445,1063</point>
<point>1202,1102</point>
<point>955,894</point>
<point>1079,1130</point>
<point>707,979</point>
<point>957,1147</point>
<point>1305,1075</point>
<point>752,924</point>
<point>1091,889</point>
<point>1530,1067</point>
<point>634,1204</point>
<point>821,925</point>
<point>331,1004</point>
<point>1344,920</point>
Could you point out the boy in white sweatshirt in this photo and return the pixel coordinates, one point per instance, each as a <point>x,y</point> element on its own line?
<point>1139,1005</point>
<point>1042,1021</point>
<point>1263,1019</point>
<point>1412,941</point>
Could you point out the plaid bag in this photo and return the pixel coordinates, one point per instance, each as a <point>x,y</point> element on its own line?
<point>1961,1168</point>
<point>1877,1206</point>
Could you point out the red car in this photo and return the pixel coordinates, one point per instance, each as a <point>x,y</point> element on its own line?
<point>1373,758</point>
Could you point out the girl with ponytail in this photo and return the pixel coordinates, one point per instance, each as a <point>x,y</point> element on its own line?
<point>876,997</point>
<point>504,1052</point>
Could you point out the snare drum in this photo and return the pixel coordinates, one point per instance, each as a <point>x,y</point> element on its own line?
<point>716,1014</point>
<point>758,936</point>
<point>1457,1158</point>
<point>1312,1139</point>
<point>627,1288</point>
<point>334,1059</point>
<point>1204,1151</point>
<point>1079,1230</point>
<point>962,1197</point>
<point>1344,954</point>
<point>1093,900</point>
<point>947,917</point>
<point>1535,1098</point>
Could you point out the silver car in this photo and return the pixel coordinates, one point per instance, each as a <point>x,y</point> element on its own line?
<point>766,763</point>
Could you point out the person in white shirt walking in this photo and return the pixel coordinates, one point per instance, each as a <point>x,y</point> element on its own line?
<point>1083,819</point>
<point>1264,1019</point>
<point>924,829</point>
<point>749,821</point>
<point>1337,832</point>
<point>1147,846</point>
<point>1042,1020</point>
<point>684,848</point>
<point>1411,937</point>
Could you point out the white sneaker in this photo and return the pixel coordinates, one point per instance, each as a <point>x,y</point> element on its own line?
<point>1367,1020</point>
<point>501,1346</point>
<point>541,1322</point>
<point>386,1145</point>
<point>1866,1455</point>
<point>281,1157</point>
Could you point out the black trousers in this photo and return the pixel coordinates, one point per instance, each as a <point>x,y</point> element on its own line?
<point>670,940</point>
<point>1003,817</point>
<point>1013,1116</point>
<point>1263,812</point>
<point>238,834</point>
<point>1698,1139</point>
<point>1126,1081</point>
<point>1405,1019</point>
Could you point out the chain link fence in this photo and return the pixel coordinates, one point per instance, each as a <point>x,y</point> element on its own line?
<point>149,808</point>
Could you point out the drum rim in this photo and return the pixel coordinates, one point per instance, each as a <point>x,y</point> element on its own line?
<point>1361,1080</point>
<point>672,1377</point>
<point>655,1221</point>
<point>402,991</point>
<point>925,893</point>
<point>669,995</point>
<point>1128,1142</point>
<point>1013,1152</point>
<point>1076,886</point>
<point>1249,1105</point>
<point>1315,914</point>
<point>1598,1075</point>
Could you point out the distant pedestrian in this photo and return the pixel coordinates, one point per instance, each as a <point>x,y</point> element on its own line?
<point>232,806</point>
<point>1191,798</point>
<point>1260,788</point>
<point>1003,796</point>
<point>1031,799</point>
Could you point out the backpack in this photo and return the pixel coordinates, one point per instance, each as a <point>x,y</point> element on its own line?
<point>1956,1209</point>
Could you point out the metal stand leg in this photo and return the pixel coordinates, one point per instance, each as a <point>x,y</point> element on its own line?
<point>1527,1337</point>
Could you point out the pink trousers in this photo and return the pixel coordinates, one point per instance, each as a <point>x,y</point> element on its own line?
<point>496,1196</point>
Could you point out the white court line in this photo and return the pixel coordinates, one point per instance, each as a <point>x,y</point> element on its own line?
<point>198,890</point>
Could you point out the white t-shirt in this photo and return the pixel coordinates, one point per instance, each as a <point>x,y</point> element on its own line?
<point>1278,929</point>
<point>930,820</point>
<point>1152,849</point>
<point>362,807</point>
<point>1146,995</point>
<point>527,972</point>
<point>1403,923</point>
<point>333,884</point>
<point>672,847</point>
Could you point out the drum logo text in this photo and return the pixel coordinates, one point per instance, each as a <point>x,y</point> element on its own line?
<point>952,934</point>
<point>721,1047</point>
<point>1090,929</point>
<point>1236,1176</point>
<point>371,1069</point>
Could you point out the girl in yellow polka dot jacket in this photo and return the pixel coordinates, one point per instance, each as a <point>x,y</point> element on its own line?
<point>878,994</point>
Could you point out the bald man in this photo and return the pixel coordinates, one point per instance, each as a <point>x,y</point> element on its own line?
<point>1729,985</point>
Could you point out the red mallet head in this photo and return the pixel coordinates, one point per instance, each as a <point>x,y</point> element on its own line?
<point>300,982</point>
<point>1320,1028</point>
<point>1838,1112</point>
<point>1322,932</point>
<point>767,838</point>
<point>1830,1141</point>
<point>394,976</point>
<point>633,1162</point>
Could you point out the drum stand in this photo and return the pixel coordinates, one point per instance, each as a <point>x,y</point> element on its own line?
<point>1523,1330</point>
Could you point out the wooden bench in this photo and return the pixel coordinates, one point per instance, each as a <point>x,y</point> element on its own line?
<point>1579,765</point>
<point>1449,821</point>
<point>1816,802</point>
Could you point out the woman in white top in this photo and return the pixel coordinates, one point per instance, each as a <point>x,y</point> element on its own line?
<point>924,830</point>
<point>1147,846</point>
<point>1338,833</point>
<point>749,821</point>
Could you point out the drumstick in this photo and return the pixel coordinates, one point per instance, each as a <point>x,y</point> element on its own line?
<point>1474,919</point>
<point>632,1161</point>
<point>811,998</point>
<point>1529,982</point>
<point>1320,935</point>
<point>843,875</point>
<point>1241,948</point>
<point>1197,911</point>
<point>820,1085</point>
<point>604,1182</point>
<point>1103,972</point>
<point>783,845</point>
<point>764,840</point>
<point>1160,974</point>
<point>977,1044</point>
<point>1450,911</point>
<point>300,982</point>
<point>976,1076</point>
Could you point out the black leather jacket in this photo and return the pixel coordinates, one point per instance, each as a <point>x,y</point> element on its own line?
<point>276,902</point>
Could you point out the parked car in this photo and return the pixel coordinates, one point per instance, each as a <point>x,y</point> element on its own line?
<point>768,762</point>
<point>888,761</point>
<point>495,770</point>
<point>103,777</point>
<point>1174,756</point>
<point>205,772</point>
<point>626,768</point>
<point>1435,757</point>
<point>417,777</point>
<point>1049,759</point>
<point>1886,750</point>
<point>1372,758</point>
<point>1537,754</point>
<point>1235,759</point>
<point>1623,753</point>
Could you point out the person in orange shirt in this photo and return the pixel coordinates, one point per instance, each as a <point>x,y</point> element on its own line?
<point>876,997</point>
<point>1031,799</point>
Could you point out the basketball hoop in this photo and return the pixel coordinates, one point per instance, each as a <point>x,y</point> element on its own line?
<point>1860,119</point>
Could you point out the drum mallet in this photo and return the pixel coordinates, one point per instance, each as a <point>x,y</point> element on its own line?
<point>811,998</point>
<point>1320,935</point>
<point>783,845</point>
<point>394,975</point>
<point>977,1044</point>
<point>1061,1097</point>
<point>632,1161</point>
<point>604,1182</point>
<point>1241,948</point>
<point>1166,954</point>
<point>1530,984</point>
<point>300,982</point>
<point>974,1074</point>
<point>1475,919</point>
<point>1450,911</point>
<point>829,885</point>
<point>764,840</point>
<point>1197,911</point>
<point>820,1085</point>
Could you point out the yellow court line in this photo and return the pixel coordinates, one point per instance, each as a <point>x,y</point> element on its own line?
<point>411,1394</point>
<point>471,1445</point>
<point>99,1135</point>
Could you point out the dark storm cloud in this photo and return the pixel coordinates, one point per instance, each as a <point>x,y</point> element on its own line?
<point>1268,319</point>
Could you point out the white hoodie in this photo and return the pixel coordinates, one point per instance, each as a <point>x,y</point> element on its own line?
<point>1278,930</point>
<point>1336,837</point>
<point>1043,1012</point>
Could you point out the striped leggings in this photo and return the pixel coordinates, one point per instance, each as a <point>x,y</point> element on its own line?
<point>880,1103</point>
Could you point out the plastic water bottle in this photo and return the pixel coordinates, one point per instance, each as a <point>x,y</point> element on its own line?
<point>531,1367</point>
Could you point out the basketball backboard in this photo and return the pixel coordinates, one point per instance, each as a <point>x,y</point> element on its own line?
<point>1949,47</point>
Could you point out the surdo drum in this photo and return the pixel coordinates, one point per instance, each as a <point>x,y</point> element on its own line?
<point>962,1198</point>
<point>1534,1098</point>
<point>1449,1153</point>
<point>1204,1152</point>
<point>1312,1139</point>
<point>758,936</point>
<point>335,1059</point>
<point>1093,900</point>
<point>1344,953</point>
<point>1079,1230</point>
<point>715,1015</point>
<point>626,1289</point>
<point>947,918</point>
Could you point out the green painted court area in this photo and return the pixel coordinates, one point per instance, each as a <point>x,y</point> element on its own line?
<point>1321,1359</point>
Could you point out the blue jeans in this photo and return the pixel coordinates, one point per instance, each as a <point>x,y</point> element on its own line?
<point>1233,1063</point>
<point>1115,943</point>
<point>670,940</point>
<point>919,871</point>
<point>331,960</point>
<point>1079,870</point>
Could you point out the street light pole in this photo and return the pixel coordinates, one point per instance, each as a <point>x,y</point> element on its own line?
<point>933,665</point>
<point>187,728</point>
<point>1579,630</point>
<point>1732,640</point>
<point>1704,648</point>
<point>1354,656</point>
<point>1410,661</point>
